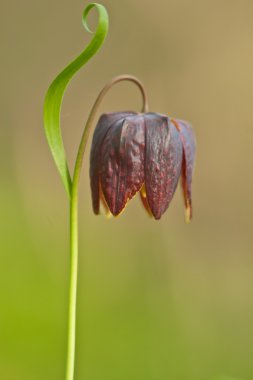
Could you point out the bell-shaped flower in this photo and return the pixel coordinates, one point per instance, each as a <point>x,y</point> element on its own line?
<point>143,153</point>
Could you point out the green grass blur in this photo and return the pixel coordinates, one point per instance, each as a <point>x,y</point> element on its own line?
<point>156,300</point>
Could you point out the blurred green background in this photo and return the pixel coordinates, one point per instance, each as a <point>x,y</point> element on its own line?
<point>156,300</point>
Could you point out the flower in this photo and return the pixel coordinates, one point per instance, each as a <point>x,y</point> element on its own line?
<point>141,152</point>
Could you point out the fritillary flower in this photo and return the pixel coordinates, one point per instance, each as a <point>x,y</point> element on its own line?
<point>143,153</point>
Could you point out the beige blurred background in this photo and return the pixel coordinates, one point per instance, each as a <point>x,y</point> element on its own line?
<point>156,300</point>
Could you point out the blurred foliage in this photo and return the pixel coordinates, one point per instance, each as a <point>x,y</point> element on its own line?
<point>156,300</point>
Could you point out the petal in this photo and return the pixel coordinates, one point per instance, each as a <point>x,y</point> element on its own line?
<point>104,124</point>
<point>163,162</point>
<point>189,147</point>
<point>122,162</point>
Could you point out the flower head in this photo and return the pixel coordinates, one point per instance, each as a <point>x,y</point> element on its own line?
<point>143,153</point>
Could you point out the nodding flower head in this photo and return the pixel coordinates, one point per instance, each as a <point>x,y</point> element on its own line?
<point>141,152</point>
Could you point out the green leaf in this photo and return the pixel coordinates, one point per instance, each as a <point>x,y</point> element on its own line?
<point>54,96</point>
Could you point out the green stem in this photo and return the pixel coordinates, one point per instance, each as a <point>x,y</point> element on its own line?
<point>72,284</point>
<point>74,217</point>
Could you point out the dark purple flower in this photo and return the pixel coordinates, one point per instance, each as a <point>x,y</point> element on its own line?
<point>143,153</point>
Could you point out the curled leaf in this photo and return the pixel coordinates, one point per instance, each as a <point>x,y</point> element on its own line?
<point>55,93</point>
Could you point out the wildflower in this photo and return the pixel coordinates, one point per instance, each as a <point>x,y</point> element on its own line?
<point>140,152</point>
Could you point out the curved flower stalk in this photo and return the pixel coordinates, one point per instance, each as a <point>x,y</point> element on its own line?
<point>131,152</point>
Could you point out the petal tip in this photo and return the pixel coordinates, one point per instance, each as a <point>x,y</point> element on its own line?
<point>144,200</point>
<point>188,213</point>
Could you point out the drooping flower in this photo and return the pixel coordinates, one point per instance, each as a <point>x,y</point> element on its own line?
<point>140,152</point>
